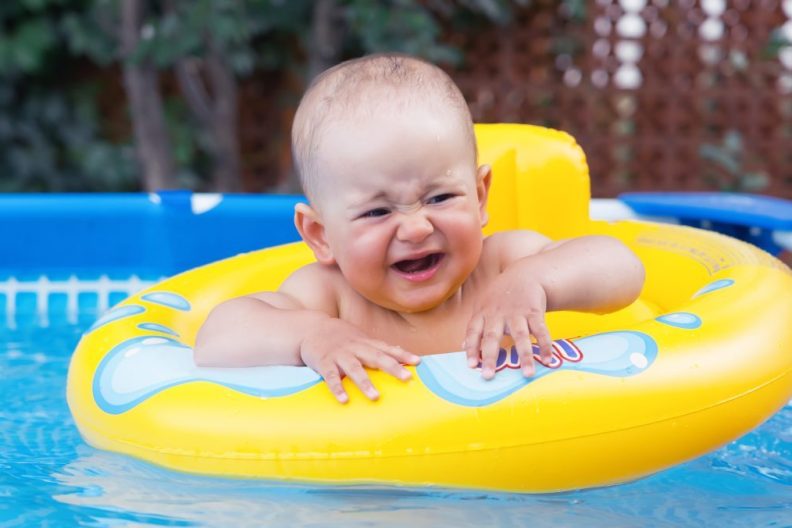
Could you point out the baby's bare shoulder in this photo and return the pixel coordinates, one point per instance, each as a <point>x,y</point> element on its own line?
<point>503,248</point>
<point>313,287</point>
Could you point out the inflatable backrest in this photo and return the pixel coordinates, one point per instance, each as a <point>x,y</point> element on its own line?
<point>540,179</point>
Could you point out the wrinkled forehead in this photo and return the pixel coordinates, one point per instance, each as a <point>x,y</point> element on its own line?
<point>390,135</point>
<point>399,155</point>
<point>377,113</point>
<point>393,136</point>
<point>366,98</point>
<point>344,103</point>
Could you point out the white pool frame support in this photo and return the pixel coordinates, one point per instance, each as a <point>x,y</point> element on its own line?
<point>43,287</point>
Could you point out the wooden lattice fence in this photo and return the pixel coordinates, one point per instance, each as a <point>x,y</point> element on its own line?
<point>661,94</point>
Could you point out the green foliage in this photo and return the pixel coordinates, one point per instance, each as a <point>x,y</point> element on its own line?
<point>189,146</point>
<point>50,132</point>
<point>409,26</point>
<point>397,25</point>
<point>24,50</point>
<point>575,9</point>
<point>91,32</point>
<point>775,44</point>
<point>239,29</point>
<point>49,141</point>
<point>729,159</point>
<point>52,51</point>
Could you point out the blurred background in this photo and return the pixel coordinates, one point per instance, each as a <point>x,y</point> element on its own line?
<point>140,95</point>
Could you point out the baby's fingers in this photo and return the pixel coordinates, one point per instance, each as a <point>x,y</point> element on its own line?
<point>473,341</point>
<point>539,330</point>
<point>388,364</point>
<point>387,359</point>
<point>490,346</point>
<point>396,359</point>
<point>399,354</point>
<point>520,333</point>
<point>354,369</point>
<point>332,378</point>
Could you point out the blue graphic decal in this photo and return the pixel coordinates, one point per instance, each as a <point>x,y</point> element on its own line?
<point>619,354</point>
<point>685,320</point>
<point>141,367</point>
<point>563,350</point>
<point>171,300</point>
<point>158,328</point>
<point>711,287</point>
<point>117,313</point>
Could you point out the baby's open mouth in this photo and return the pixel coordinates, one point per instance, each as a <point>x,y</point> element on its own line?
<point>420,264</point>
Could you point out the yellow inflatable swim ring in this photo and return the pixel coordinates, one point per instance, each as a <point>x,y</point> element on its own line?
<point>701,358</point>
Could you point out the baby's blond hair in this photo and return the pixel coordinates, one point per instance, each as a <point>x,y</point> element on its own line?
<point>356,87</point>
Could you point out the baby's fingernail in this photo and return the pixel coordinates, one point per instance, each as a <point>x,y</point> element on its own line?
<point>472,362</point>
<point>528,372</point>
<point>405,374</point>
<point>373,395</point>
<point>488,373</point>
<point>342,398</point>
<point>415,359</point>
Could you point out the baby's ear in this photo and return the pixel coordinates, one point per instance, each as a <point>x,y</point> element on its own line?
<point>312,231</point>
<point>483,181</point>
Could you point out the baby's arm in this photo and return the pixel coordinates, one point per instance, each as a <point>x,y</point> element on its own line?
<point>277,328</point>
<point>591,273</point>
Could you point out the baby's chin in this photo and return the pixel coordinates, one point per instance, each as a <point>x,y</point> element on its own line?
<point>417,305</point>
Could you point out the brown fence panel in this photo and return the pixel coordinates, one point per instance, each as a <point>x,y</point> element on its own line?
<point>662,95</point>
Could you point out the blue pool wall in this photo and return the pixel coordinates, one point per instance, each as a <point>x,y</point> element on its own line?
<point>145,235</point>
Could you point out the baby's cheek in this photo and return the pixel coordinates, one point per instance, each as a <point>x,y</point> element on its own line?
<point>365,251</point>
<point>373,251</point>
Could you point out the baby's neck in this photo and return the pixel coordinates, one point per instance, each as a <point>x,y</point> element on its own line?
<point>440,329</point>
<point>451,307</point>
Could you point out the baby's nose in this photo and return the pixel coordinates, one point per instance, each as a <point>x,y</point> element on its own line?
<point>414,227</point>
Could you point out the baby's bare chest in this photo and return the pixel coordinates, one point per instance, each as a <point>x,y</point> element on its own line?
<point>421,335</point>
<point>446,336</point>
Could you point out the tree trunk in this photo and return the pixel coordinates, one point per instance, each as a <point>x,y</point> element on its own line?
<point>324,51</point>
<point>327,34</point>
<point>152,142</point>
<point>226,174</point>
<point>216,113</point>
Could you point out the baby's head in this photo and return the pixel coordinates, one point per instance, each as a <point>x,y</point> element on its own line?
<point>351,93</point>
<point>386,154</point>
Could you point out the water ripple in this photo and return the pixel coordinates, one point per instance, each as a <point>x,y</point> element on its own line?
<point>49,477</point>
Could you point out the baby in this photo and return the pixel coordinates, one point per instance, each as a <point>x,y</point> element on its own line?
<point>385,150</point>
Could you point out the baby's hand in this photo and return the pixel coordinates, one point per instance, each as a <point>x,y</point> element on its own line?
<point>514,309</point>
<point>335,348</point>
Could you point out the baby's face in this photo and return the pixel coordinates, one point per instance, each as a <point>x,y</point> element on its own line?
<point>403,205</point>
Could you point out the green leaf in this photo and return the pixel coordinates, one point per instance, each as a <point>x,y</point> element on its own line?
<point>720,157</point>
<point>39,5</point>
<point>754,181</point>
<point>31,42</point>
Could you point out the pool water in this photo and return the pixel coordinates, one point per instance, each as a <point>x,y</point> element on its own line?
<point>51,477</point>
